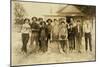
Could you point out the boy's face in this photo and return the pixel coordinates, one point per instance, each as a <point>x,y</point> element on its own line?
<point>71,26</point>
<point>43,24</point>
<point>26,21</point>
<point>63,24</point>
<point>72,20</point>
<point>55,20</point>
<point>87,21</point>
<point>40,19</point>
<point>34,20</point>
<point>78,22</point>
<point>49,21</point>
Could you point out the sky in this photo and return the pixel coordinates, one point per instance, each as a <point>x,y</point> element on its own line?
<point>40,9</point>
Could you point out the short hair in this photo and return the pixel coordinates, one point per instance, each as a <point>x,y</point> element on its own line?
<point>55,19</point>
<point>62,22</point>
<point>26,19</point>
<point>61,19</point>
<point>49,20</point>
<point>42,22</point>
<point>34,18</point>
<point>40,19</point>
<point>78,20</point>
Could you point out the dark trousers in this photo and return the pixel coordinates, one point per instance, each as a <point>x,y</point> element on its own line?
<point>74,42</point>
<point>43,45</point>
<point>40,45</point>
<point>71,39</point>
<point>71,44</point>
<point>25,38</point>
<point>63,43</point>
<point>48,37</point>
<point>78,41</point>
<point>88,37</point>
<point>35,38</point>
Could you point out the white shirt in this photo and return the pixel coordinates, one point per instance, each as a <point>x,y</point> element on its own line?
<point>87,27</point>
<point>78,27</point>
<point>55,29</point>
<point>25,28</point>
<point>63,30</point>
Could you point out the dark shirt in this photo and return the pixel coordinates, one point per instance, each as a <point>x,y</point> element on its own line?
<point>71,32</point>
<point>34,27</point>
<point>49,27</point>
<point>79,32</point>
<point>43,33</point>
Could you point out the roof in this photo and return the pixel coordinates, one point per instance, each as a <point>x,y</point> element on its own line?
<point>70,10</point>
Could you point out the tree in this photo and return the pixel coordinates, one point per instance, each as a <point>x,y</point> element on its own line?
<point>19,13</point>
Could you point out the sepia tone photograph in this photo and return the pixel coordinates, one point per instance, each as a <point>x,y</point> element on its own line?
<point>52,33</point>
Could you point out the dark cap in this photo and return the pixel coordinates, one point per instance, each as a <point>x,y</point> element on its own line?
<point>34,18</point>
<point>49,20</point>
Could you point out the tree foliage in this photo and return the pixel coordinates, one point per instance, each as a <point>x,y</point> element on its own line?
<point>19,13</point>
